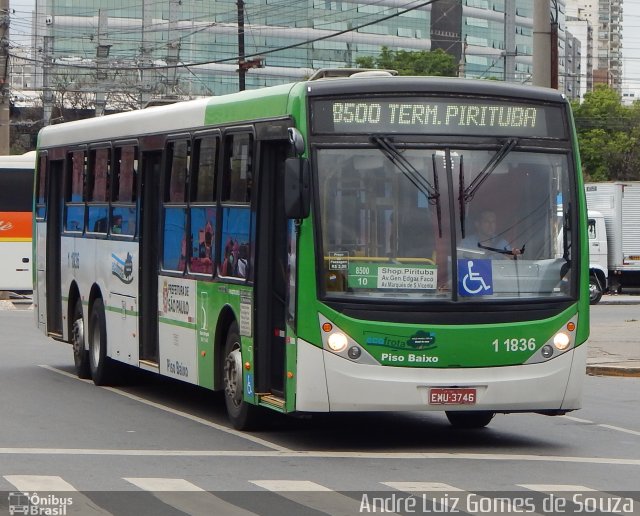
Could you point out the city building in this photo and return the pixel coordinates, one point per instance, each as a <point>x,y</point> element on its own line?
<point>582,31</point>
<point>605,18</point>
<point>121,54</point>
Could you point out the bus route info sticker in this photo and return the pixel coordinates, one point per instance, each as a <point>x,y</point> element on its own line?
<point>382,276</point>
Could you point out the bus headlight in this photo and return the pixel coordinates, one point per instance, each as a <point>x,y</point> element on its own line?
<point>561,341</point>
<point>337,341</point>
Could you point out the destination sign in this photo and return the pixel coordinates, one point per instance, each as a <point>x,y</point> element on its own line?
<point>428,115</point>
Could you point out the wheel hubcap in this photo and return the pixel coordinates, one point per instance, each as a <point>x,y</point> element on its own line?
<point>233,377</point>
<point>96,344</point>
<point>78,336</point>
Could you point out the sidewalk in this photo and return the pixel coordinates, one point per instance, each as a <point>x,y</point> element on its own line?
<point>614,350</point>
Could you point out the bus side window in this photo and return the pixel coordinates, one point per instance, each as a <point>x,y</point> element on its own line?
<point>175,249</point>
<point>202,208</point>
<point>98,209</point>
<point>123,191</point>
<point>41,195</point>
<point>75,194</point>
<point>237,182</point>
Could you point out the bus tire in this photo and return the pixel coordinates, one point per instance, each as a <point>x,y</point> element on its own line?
<point>80,354</point>
<point>101,365</point>
<point>242,415</point>
<point>595,290</point>
<point>470,419</point>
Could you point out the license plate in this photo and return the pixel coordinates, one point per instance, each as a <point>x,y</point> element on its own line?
<point>452,396</point>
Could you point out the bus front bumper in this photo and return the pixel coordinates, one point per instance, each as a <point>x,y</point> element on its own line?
<point>329,383</point>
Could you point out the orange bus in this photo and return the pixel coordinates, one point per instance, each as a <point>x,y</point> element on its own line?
<point>16,205</point>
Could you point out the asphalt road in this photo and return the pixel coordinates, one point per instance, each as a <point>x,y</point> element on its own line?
<point>59,433</point>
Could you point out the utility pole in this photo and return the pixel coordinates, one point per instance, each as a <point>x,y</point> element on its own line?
<point>554,47</point>
<point>102,53</point>
<point>147,75</point>
<point>5,119</point>
<point>241,63</point>
<point>510,40</point>
<point>47,93</point>
<point>542,43</point>
<point>173,49</point>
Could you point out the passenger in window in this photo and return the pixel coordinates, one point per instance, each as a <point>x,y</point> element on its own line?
<point>116,226</point>
<point>229,266</point>
<point>485,240</point>
<point>100,225</point>
<point>243,257</point>
<point>205,251</point>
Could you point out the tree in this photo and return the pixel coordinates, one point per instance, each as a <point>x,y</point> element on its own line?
<point>436,62</point>
<point>608,134</point>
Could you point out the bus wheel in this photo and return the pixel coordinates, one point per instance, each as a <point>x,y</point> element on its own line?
<point>80,354</point>
<point>595,290</point>
<point>470,419</point>
<point>101,364</point>
<point>243,416</point>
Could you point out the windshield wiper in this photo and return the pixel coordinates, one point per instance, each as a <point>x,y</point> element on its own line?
<point>470,191</point>
<point>467,193</point>
<point>392,153</point>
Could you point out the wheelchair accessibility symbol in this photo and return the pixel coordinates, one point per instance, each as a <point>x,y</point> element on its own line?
<point>249,386</point>
<point>475,277</point>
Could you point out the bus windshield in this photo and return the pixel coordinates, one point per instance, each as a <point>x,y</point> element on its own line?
<point>409,222</point>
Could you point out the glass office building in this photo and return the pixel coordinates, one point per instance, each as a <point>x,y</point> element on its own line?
<point>192,47</point>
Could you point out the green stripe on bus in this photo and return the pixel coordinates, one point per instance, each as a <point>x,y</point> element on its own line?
<point>119,310</point>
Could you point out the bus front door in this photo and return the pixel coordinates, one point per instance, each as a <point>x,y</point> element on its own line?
<point>149,253</point>
<point>272,273</point>
<point>53,248</point>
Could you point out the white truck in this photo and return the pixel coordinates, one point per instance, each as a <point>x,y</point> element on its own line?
<point>614,252</point>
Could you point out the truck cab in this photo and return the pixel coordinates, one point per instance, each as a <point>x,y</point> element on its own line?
<point>598,263</point>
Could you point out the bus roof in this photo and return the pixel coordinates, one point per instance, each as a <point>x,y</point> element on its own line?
<point>271,102</point>
<point>436,85</point>
<point>185,115</point>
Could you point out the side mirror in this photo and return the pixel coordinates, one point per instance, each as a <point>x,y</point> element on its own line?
<point>297,192</point>
<point>296,140</point>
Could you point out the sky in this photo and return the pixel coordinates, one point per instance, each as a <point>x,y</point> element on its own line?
<point>21,27</point>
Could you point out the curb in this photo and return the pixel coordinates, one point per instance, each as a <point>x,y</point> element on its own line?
<point>619,300</point>
<point>629,372</point>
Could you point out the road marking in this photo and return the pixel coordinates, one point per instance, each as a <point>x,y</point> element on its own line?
<point>555,488</point>
<point>602,425</point>
<point>618,429</point>
<point>578,420</point>
<point>419,487</point>
<point>312,495</point>
<point>439,504</point>
<point>319,455</point>
<point>78,502</point>
<point>163,484</point>
<point>191,417</point>
<point>289,485</point>
<point>39,483</point>
<point>179,493</point>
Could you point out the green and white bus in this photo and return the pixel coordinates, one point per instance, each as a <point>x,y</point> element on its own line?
<point>321,247</point>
